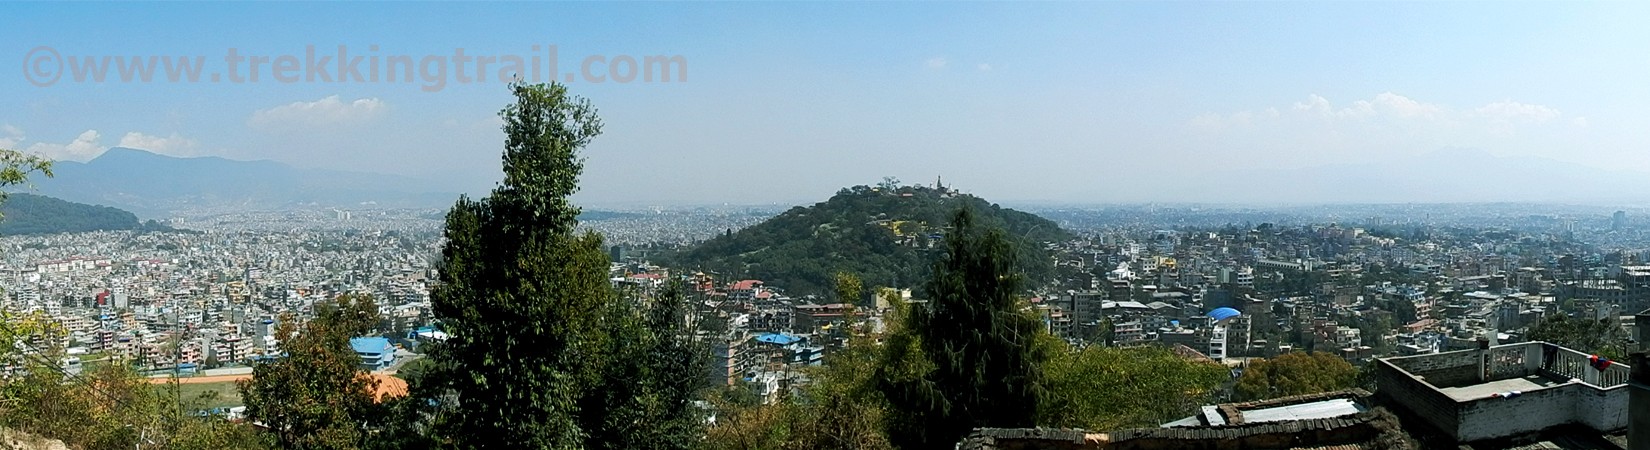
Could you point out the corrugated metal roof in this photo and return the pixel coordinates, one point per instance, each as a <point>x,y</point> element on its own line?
<point>1315,410</point>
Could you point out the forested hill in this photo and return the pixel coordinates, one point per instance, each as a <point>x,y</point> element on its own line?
<point>886,237</point>
<point>38,214</point>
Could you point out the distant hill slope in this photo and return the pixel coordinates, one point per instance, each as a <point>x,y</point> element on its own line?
<point>883,237</point>
<point>153,184</point>
<point>36,214</point>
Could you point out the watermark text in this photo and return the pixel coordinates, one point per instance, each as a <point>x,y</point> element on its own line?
<point>46,66</point>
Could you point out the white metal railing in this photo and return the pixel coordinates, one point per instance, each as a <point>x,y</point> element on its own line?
<point>1615,375</point>
<point>1569,363</point>
<point>1529,358</point>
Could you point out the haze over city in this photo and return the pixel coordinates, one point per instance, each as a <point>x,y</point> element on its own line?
<point>787,102</point>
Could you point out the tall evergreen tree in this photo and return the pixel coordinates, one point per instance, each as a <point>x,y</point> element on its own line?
<point>542,353</point>
<point>519,291</point>
<point>971,356</point>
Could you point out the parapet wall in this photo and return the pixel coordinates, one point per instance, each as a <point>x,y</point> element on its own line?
<point>1442,369</point>
<point>1413,382</point>
<point>1603,409</point>
<point>1434,407</point>
<point>1539,409</point>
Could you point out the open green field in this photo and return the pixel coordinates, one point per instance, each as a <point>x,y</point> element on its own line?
<point>227,395</point>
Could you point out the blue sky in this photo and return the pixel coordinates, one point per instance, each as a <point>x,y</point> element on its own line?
<point>786,102</point>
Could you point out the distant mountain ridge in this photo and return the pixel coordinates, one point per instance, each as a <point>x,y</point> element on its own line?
<point>155,184</point>
<point>22,214</point>
<point>883,236</point>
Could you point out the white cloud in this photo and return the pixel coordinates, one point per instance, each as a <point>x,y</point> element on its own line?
<point>1401,106</point>
<point>1385,104</point>
<point>10,136</point>
<point>326,112</point>
<point>83,148</point>
<point>935,63</point>
<point>1512,111</point>
<point>1579,121</point>
<point>1315,103</point>
<point>984,67</point>
<point>173,145</point>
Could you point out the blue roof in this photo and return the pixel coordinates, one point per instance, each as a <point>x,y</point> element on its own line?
<point>778,338</point>
<point>1223,313</point>
<point>369,344</point>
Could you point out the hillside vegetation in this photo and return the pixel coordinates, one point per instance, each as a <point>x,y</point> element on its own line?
<point>886,235</point>
<point>37,214</point>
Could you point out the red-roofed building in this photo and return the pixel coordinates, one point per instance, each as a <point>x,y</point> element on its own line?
<point>744,290</point>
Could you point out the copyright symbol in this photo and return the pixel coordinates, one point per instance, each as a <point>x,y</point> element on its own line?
<point>43,66</point>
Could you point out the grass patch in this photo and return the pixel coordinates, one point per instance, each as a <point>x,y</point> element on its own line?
<point>227,395</point>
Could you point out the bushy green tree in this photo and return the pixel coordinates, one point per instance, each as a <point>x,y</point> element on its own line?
<point>316,396</point>
<point>848,288</point>
<point>1599,337</point>
<point>970,357</point>
<point>1104,388</point>
<point>654,374</point>
<point>1295,373</point>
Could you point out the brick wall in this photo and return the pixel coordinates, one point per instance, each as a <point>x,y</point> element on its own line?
<point>1576,403</point>
<point>1396,386</point>
<point>1603,409</point>
<point>1533,410</point>
<point>1536,409</point>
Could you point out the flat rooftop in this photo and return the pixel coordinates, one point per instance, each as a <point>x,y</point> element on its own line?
<point>1484,390</point>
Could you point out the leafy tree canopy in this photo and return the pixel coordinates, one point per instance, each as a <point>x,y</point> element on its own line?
<point>1599,337</point>
<point>1104,388</point>
<point>1295,373</point>
<point>316,397</point>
